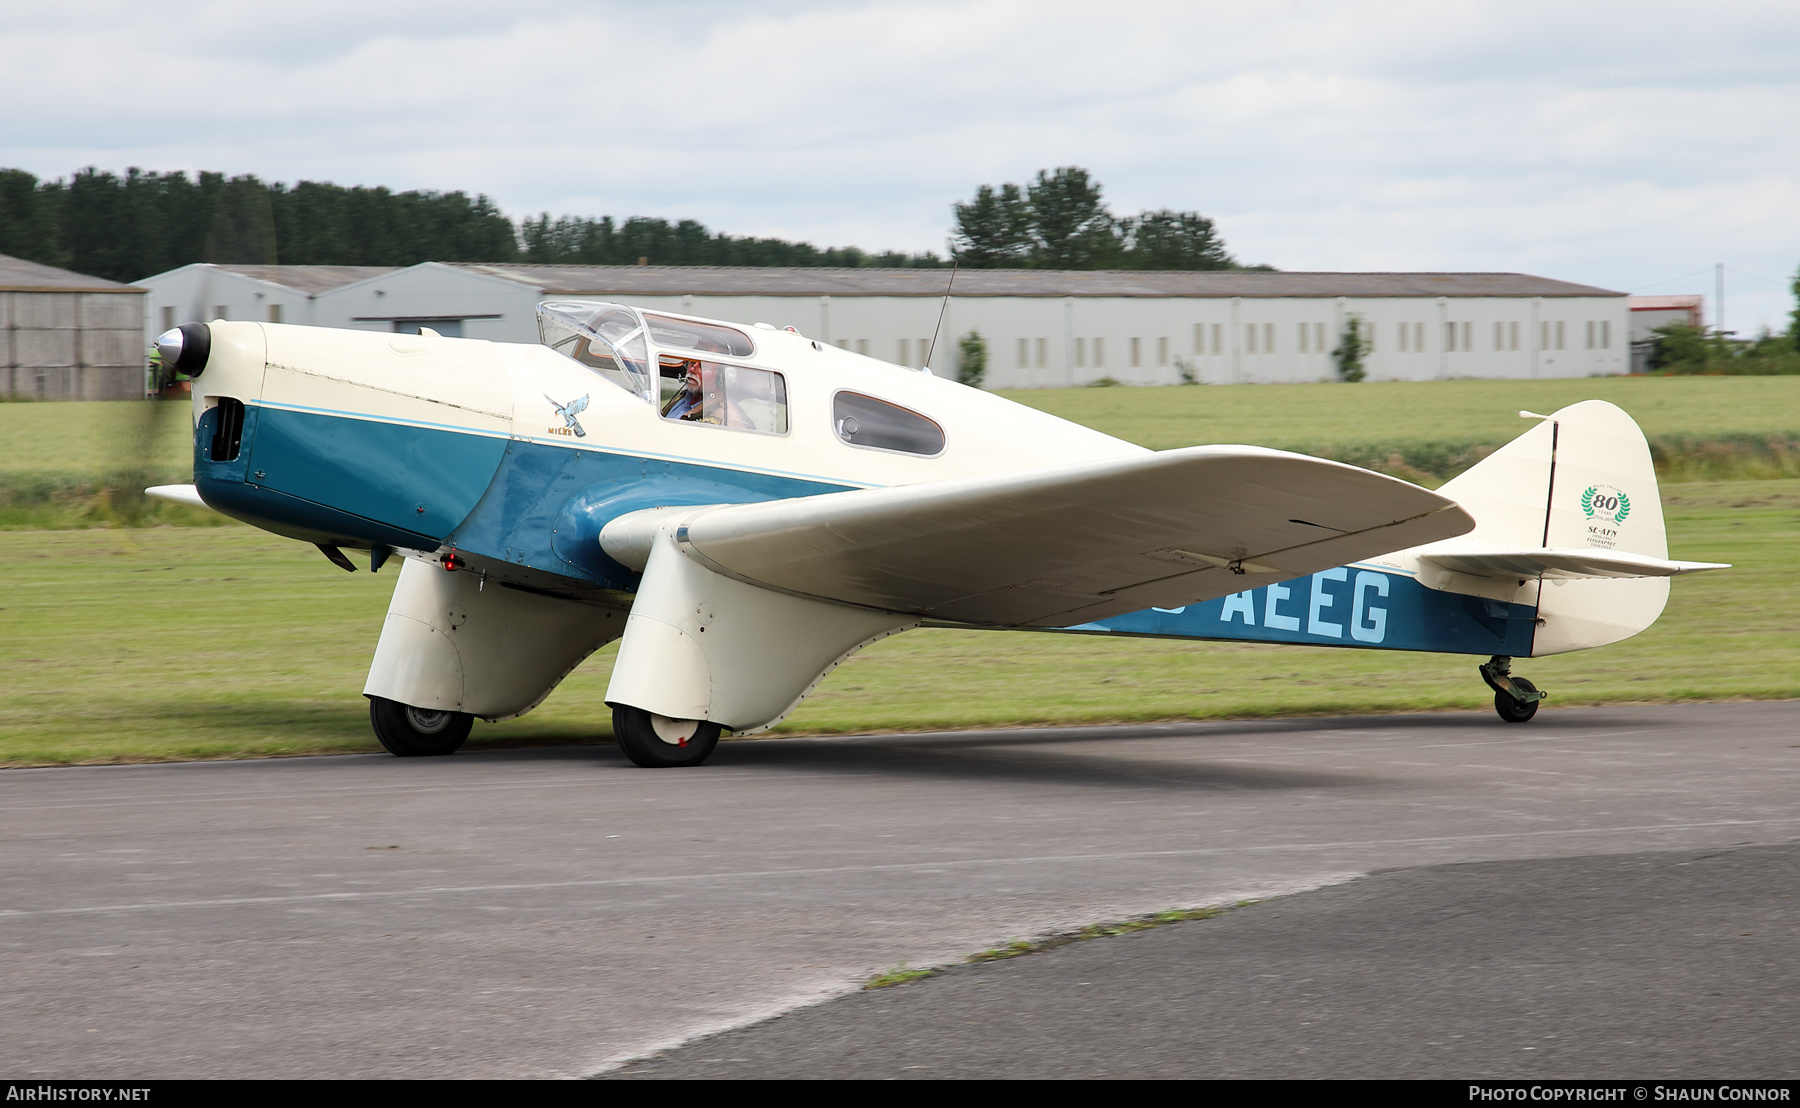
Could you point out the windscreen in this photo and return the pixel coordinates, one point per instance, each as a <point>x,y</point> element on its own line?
<point>607,338</point>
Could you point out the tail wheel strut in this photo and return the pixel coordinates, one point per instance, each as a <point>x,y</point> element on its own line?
<point>1515,699</point>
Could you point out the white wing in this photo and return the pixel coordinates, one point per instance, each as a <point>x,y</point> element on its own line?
<point>1060,546</point>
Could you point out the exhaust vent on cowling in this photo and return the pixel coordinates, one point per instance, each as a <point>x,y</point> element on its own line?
<point>228,435</point>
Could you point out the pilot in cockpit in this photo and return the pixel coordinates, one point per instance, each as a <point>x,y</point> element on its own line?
<point>702,399</point>
<point>686,403</point>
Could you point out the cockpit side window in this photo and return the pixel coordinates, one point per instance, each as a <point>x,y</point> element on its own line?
<point>724,395</point>
<point>865,421</point>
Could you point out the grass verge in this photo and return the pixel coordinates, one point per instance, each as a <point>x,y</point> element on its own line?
<point>1018,948</point>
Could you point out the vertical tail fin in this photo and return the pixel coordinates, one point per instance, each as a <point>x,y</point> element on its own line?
<point>1580,480</point>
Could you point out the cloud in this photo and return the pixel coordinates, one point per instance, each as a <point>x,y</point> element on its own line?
<point>1616,143</point>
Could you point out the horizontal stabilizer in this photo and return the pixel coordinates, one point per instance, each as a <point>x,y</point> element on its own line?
<point>180,494</point>
<point>1053,547</point>
<point>1565,564</point>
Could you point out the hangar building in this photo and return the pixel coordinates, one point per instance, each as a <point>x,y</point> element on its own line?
<point>1042,328</point>
<point>67,336</point>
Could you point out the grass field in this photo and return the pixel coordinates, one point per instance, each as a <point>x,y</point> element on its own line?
<point>1700,428</point>
<point>50,439</point>
<point>1301,417</point>
<point>130,644</point>
<point>58,462</point>
<point>55,457</point>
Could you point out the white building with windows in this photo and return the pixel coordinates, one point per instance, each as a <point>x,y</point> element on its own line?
<point>1042,328</point>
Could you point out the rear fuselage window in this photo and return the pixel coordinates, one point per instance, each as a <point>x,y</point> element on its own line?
<point>725,395</point>
<point>865,421</point>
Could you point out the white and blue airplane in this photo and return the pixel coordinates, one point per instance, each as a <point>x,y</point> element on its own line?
<point>746,507</point>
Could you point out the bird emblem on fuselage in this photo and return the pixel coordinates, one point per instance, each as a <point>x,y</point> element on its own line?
<point>568,412</point>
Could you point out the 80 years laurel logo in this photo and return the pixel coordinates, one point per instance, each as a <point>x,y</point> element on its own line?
<point>1603,502</point>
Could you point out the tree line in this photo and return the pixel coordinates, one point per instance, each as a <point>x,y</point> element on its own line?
<point>584,241</point>
<point>126,228</point>
<point>129,226</point>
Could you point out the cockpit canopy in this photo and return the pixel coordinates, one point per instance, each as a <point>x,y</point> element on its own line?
<point>623,344</point>
<point>605,337</point>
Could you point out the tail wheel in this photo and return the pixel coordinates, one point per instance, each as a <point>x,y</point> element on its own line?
<point>1513,710</point>
<point>409,732</point>
<point>658,742</point>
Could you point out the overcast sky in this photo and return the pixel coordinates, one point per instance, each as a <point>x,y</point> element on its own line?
<point>1629,145</point>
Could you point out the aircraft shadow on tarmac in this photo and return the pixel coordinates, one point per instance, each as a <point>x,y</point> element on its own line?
<point>1121,756</point>
<point>1132,758</point>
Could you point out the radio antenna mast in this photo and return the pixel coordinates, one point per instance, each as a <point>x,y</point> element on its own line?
<point>941,310</point>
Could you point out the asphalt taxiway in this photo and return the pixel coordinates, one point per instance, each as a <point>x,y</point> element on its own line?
<point>553,913</point>
<point>1666,966</point>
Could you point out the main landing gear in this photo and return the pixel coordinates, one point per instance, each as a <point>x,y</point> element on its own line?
<point>410,732</point>
<point>658,742</point>
<point>1515,699</point>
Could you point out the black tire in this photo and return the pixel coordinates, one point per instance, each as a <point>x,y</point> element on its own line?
<point>1516,711</point>
<point>636,731</point>
<point>410,732</point>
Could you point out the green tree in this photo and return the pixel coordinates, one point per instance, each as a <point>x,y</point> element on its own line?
<point>242,231</point>
<point>1682,348</point>
<point>30,218</point>
<point>993,231</point>
<point>96,228</point>
<point>1174,240</point>
<point>1794,317</point>
<point>1352,345</point>
<point>1070,226</point>
<point>1060,221</point>
<point>971,364</point>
